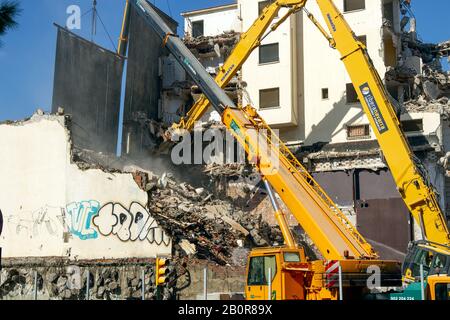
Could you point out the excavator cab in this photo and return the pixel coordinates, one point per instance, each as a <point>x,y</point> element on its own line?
<point>438,288</point>
<point>287,274</point>
<point>435,288</point>
<point>432,257</point>
<point>279,271</point>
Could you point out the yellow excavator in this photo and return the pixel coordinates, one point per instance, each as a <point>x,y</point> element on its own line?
<point>292,274</point>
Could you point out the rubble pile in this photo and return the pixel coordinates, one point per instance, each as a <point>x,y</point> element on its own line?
<point>228,170</point>
<point>444,48</point>
<point>204,227</point>
<point>430,93</point>
<point>441,106</point>
<point>217,46</point>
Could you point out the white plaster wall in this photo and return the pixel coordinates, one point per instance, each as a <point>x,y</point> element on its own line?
<point>215,22</point>
<point>282,74</point>
<point>38,183</point>
<point>326,120</point>
<point>32,179</point>
<point>432,122</point>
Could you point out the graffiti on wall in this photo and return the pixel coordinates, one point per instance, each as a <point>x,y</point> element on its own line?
<point>45,221</point>
<point>85,220</point>
<point>79,217</point>
<point>131,224</point>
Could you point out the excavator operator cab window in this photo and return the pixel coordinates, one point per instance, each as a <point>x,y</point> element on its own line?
<point>258,272</point>
<point>422,257</point>
<point>442,291</point>
<point>291,257</point>
<point>440,264</point>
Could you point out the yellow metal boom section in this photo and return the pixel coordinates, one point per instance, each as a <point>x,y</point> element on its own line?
<point>413,187</point>
<point>247,43</point>
<point>329,229</point>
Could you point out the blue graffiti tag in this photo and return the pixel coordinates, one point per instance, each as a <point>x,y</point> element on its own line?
<point>79,218</point>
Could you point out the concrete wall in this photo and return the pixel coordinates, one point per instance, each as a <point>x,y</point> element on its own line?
<point>216,20</point>
<point>58,279</point>
<point>51,208</point>
<point>143,82</point>
<point>87,84</point>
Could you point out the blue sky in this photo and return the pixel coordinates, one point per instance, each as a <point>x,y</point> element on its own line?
<point>28,52</point>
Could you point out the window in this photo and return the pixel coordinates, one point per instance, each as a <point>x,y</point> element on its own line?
<point>269,98</point>
<point>198,28</point>
<point>291,257</point>
<point>325,94</point>
<point>388,12</point>
<point>362,39</point>
<point>258,272</point>
<point>353,5</point>
<point>262,5</point>
<point>412,125</point>
<point>422,258</point>
<point>439,265</point>
<point>358,132</point>
<point>442,291</point>
<point>352,97</point>
<point>269,53</point>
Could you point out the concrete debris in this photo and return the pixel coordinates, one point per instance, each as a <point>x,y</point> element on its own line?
<point>422,84</point>
<point>187,247</point>
<point>400,73</point>
<point>444,48</point>
<point>217,46</point>
<point>204,226</point>
<point>420,105</point>
<point>235,226</point>
<point>228,170</point>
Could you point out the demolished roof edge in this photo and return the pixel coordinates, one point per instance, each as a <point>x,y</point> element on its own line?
<point>209,9</point>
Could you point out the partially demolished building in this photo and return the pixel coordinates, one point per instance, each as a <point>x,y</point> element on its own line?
<point>319,116</point>
<point>107,215</point>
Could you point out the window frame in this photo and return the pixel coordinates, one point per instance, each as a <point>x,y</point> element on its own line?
<point>367,132</point>
<point>354,10</point>
<point>352,88</point>
<point>438,293</point>
<point>287,260</point>
<point>412,122</point>
<point>327,93</point>
<point>260,9</point>
<point>270,107</point>
<point>262,282</point>
<point>363,38</point>
<point>203,28</point>
<point>265,46</point>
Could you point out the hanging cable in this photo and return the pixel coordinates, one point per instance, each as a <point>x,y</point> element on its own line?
<point>89,11</point>
<point>94,20</point>
<point>106,30</point>
<point>170,9</point>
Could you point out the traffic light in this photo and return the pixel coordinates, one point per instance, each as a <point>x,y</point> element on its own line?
<point>161,271</point>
